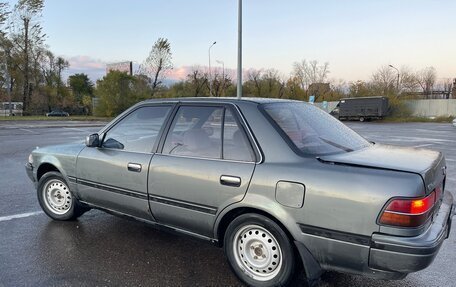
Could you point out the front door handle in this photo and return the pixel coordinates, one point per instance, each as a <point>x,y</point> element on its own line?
<point>135,167</point>
<point>230,180</point>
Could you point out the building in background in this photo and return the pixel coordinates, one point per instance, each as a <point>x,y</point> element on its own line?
<point>126,67</point>
<point>11,109</point>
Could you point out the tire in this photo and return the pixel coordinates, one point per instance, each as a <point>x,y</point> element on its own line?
<point>56,199</point>
<point>259,251</point>
<point>361,119</point>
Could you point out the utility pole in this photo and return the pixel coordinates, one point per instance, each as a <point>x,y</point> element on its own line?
<point>239,63</point>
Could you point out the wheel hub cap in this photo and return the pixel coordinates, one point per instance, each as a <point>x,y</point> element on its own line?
<point>57,197</point>
<point>257,252</point>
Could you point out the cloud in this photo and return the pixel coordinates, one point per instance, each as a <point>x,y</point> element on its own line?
<point>179,73</point>
<point>85,63</point>
<point>94,68</point>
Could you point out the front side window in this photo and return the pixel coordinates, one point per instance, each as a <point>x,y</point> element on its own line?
<point>138,131</point>
<point>312,130</point>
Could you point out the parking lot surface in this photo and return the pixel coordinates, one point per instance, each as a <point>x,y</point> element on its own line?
<point>103,250</point>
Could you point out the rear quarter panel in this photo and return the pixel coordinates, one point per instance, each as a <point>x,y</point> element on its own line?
<point>339,199</point>
<point>343,198</point>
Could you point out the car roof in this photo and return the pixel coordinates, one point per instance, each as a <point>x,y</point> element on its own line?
<point>221,99</point>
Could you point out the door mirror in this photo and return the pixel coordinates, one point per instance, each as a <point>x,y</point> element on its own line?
<point>93,140</point>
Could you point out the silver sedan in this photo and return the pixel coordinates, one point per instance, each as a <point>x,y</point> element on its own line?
<point>273,182</point>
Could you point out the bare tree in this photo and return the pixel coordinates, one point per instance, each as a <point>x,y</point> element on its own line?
<point>221,81</point>
<point>255,77</point>
<point>158,63</point>
<point>407,81</point>
<point>198,80</point>
<point>273,82</point>
<point>310,72</point>
<point>426,79</point>
<point>384,80</point>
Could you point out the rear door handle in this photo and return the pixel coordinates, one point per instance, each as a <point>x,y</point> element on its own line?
<point>230,180</point>
<point>135,167</point>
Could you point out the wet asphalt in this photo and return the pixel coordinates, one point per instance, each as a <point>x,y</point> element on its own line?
<point>104,250</point>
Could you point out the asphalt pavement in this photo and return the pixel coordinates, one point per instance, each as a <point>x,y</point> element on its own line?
<point>104,250</point>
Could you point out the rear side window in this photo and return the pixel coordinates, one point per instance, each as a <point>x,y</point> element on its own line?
<point>138,131</point>
<point>235,143</point>
<point>207,132</point>
<point>313,131</point>
<point>196,132</point>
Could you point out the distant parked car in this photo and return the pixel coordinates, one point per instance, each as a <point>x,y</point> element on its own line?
<point>272,181</point>
<point>454,122</point>
<point>57,114</point>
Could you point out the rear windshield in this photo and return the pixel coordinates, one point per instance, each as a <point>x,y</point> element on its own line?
<point>313,131</point>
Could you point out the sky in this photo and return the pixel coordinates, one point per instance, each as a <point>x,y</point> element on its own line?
<point>355,36</point>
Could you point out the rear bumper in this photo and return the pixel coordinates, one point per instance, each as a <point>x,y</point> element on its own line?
<point>411,254</point>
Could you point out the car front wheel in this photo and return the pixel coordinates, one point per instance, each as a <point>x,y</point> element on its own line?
<point>56,199</point>
<point>259,251</point>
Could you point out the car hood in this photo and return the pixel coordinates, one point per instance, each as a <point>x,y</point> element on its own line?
<point>430,165</point>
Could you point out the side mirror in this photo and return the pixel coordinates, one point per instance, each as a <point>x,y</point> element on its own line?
<point>93,140</point>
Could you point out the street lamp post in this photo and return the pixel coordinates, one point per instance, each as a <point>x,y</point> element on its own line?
<point>239,63</point>
<point>223,74</point>
<point>398,76</point>
<point>210,75</point>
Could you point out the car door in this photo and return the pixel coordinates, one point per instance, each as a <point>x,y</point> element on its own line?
<point>195,175</point>
<point>114,175</point>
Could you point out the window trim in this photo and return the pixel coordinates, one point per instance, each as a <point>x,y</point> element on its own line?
<point>222,135</point>
<point>153,150</point>
<point>258,156</point>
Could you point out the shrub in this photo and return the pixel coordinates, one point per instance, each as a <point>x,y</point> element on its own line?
<point>398,108</point>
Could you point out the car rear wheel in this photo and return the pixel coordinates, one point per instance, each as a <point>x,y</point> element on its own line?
<point>259,251</point>
<point>56,198</point>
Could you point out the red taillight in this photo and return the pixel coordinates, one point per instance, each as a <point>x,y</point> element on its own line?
<point>408,212</point>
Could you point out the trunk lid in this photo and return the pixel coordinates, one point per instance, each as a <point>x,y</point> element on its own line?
<point>430,165</point>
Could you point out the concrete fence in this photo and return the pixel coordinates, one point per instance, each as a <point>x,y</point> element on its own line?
<point>432,108</point>
<point>419,108</point>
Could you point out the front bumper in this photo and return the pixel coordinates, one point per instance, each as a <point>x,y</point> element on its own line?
<point>410,254</point>
<point>29,171</point>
